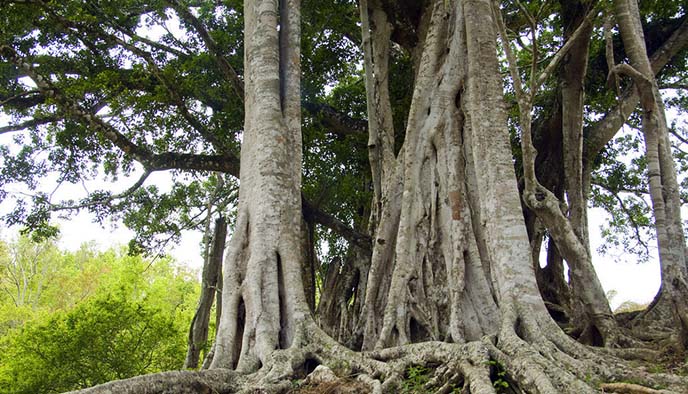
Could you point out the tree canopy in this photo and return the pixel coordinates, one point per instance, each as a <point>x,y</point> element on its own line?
<point>157,75</point>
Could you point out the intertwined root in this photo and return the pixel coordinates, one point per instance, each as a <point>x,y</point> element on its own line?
<point>527,356</point>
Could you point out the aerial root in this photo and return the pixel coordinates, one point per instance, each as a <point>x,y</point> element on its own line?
<point>634,353</point>
<point>218,381</point>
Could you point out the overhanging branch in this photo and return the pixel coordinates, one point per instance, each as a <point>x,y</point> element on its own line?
<point>335,121</point>
<point>311,212</point>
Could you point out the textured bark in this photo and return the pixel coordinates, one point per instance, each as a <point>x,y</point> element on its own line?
<point>212,269</point>
<point>217,381</point>
<point>263,299</point>
<point>573,72</point>
<point>427,280</point>
<point>546,205</point>
<point>375,34</point>
<point>604,130</point>
<point>344,289</point>
<point>661,172</point>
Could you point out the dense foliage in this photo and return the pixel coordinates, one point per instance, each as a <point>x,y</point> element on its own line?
<point>88,317</point>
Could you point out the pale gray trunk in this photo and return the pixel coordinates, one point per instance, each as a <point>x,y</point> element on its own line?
<point>661,172</point>
<point>263,299</point>
<point>548,208</point>
<point>429,274</point>
<point>573,74</point>
<point>375,34</point>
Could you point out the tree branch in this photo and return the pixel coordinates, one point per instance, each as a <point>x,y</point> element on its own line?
<point>606,128</point>
<point>94,202</point>
<point>153,162</point>
<point>335,121</point>
<point>629,215</point>
<point>681,86</point>
<point>361,240</point>
<point>226,68</point>
<point>29,123</point>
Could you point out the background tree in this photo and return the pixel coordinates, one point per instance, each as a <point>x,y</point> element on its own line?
<point>102,316</point>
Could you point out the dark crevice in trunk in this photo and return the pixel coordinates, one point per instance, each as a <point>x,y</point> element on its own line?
<point>241,322</point>
<point>283,312</point>
<point>418,333</point>
<point>519,329</point>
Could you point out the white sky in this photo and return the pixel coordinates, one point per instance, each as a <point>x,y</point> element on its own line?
<point>633,281</point>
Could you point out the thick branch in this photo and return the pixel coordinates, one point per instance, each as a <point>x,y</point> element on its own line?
<point>361,240</point>
<point>681,86</point>
<point>335,121</point>
<point>29,123</point>
<point>153,162</point>
<point>93,202</point>
<point>177,99</point>
<point>605,129</point>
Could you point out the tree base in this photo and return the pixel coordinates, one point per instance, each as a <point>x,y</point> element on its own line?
<point>518,360</point>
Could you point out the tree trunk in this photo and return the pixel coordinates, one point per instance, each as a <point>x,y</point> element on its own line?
<point>427,279</point>
<point>375,34</point>
<point>212,269</point>
<point>670,302</point>
<point>263,298</point>
<point>547,207</point>
<point>342,299</point>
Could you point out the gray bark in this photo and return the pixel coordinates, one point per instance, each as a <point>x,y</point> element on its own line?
<point>375,34</point>
<point>212,269</point>
<point>573,72</point>
<point>427,279</point>
<point>263,299</point>
<point>545,204</point>
<point>661,171</point>
<point>218,381</point>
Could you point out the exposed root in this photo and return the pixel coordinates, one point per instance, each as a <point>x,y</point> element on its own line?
<point>217,381</point>
<point>628,388</point>
<point>516,361</point>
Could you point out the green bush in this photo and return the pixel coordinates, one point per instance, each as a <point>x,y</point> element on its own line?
<point>107,337</point>
<point>92,317</point>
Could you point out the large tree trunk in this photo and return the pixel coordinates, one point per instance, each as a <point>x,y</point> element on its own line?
<point>428,279</point>
<point>263,299</point>
<point>670,303</point>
